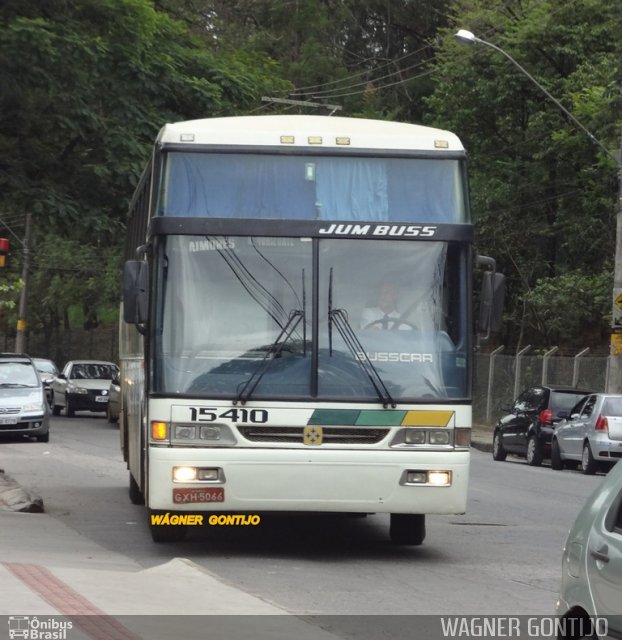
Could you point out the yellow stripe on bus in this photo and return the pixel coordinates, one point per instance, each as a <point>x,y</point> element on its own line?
<point>427,418</point>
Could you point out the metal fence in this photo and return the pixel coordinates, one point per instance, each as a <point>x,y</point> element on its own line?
<point>498,378</point>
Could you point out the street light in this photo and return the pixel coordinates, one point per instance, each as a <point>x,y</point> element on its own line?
<point>614,379</point>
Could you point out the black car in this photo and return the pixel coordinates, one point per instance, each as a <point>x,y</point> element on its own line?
<point>528,428</point>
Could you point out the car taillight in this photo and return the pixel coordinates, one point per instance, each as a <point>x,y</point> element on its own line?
<point>602,424</point>
<point>546,416</point>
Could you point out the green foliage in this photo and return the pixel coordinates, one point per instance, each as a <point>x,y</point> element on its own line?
<point>572,309</point>
<point>543,193</point>
<point>9,292</point>
<point>86,86</point>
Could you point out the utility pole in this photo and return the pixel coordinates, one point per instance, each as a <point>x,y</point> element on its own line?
<point>20,336</point>
<point>614,380</point>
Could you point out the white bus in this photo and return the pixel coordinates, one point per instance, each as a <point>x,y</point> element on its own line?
<point>296,329</point>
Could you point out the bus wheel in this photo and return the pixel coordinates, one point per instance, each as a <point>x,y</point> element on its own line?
<point>407,528</point>
<point>165,532</point>
<point>136,496</point>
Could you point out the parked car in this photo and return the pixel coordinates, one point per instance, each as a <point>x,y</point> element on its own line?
<point>591,584</point>
<point>590,435</point>
<point>114,402</point>
<point>47,372</point>
<point>83,385</point>
<point>23,406</point>
<point>527,429</point>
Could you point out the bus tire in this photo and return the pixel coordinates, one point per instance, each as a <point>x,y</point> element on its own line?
<point>407,528</point>
<point>164,533</point>
<point>136,495</point>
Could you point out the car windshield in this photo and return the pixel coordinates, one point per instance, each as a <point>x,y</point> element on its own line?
<point>564,401</point>
<point>18,374</point>
<point>612,407</point>
<point>46,366</point>
<point>93,371</point>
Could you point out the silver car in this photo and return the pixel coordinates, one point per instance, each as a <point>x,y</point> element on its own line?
<point>591,435</point>
<point>24,410</point>
<point>591,585</point>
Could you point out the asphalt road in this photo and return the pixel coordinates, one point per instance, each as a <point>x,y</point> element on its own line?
<point>501,558</point>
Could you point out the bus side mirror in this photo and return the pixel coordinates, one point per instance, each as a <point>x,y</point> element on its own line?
<point>491,299</point>
<point>135,291</point>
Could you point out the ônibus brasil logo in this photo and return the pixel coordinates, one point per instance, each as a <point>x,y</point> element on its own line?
<point>35,628</point>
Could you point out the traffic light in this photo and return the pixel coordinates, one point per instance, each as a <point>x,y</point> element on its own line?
<point>4,251</point>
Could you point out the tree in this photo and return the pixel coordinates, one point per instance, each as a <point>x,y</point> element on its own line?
<point>86,87</point>
<point>543,192</point>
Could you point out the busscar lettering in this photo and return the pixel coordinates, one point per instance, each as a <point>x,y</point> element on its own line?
<point>382,230</point>
<point>393,356</point>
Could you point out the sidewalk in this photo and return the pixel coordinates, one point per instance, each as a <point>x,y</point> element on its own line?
<point>52,574</point>
<point>48,569</point>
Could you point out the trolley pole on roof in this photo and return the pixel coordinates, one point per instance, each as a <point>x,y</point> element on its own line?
<point>20,336</point>
<point>304,103</point>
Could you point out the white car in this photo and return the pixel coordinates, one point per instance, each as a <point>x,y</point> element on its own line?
<point>591,586</point>
<point>83,385</point>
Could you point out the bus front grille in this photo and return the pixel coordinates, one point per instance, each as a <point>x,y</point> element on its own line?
<point>330,435</point>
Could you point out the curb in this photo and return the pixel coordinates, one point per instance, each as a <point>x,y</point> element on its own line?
<point>13,497</point>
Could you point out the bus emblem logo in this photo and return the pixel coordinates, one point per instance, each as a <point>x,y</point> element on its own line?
<point>312,435</point>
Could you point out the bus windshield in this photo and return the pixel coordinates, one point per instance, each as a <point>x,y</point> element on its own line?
<point>307,187</point>
<point>235,307</point>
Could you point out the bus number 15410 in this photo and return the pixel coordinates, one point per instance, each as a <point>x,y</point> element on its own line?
<point>210,414</point>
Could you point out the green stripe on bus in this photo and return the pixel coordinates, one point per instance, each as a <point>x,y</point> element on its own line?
<point>327,417</point>
<point>380,418</point>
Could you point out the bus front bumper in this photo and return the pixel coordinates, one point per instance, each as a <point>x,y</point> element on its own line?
<point>371,481</point>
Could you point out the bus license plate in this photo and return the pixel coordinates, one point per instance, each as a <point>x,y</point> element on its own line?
<point>101,398</point>
<point>198,494</point>
<point>8,420</point>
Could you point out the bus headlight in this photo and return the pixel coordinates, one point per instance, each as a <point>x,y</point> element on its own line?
<point>414,436</point>
<point>183,432</point>
<point>439,478</point>
<point>426,478</point>
<point>439,437</point>
<point>184,474</point>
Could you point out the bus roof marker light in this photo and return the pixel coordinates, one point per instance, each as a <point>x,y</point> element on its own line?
<point>441,144</point>
<point>186,137</point>
<point>314,139</point>
<point>288,139</point>
<point>342,140</point>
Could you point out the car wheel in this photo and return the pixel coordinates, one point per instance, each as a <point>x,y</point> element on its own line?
<point>55,407</point>
<point>588,464</point>
<point>534,452</point>
<point>136,496</point>
<point>407,528</point>
<point>556,457</point>
<point>44,438</point>
<point>166,532</point>
<point>498,451</point>
<point>69,410</point>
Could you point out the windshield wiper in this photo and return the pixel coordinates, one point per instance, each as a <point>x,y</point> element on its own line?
<point>16,385</point>
<point>275,349</point>
<point>339,318</point>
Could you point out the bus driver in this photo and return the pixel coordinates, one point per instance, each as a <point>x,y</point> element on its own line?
<point>385,314</point>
